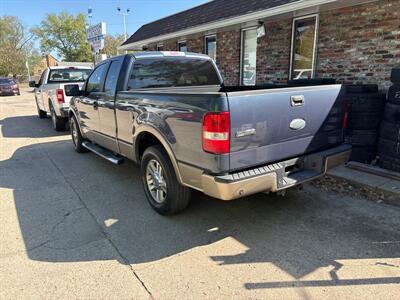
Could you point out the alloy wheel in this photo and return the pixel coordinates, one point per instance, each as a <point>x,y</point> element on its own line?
<point>156,181</point>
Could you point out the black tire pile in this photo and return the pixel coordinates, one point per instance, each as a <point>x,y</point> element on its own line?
<point>389,140</point>
<point>365,110</point>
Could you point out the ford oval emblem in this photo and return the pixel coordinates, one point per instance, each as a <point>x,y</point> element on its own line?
<point>297,124</point>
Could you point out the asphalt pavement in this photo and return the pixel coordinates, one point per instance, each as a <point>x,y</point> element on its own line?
<point>73,226</point>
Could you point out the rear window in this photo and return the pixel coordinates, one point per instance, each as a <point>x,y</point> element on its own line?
<point>6,81</point>
<point>172,72</point>
<point>68,75</point>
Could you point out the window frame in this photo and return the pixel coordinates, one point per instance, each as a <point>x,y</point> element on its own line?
<point>314,59</point>
<point>182,42</point>
<point>242,52</point>
<point>206,45</point>
<point>102,79</point>
<point>132,66</point>
<point>160,45</point>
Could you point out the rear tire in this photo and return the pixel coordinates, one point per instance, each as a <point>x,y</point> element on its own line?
<point>76,135</point>
<point>362,137</point>
<point>390,131</point>
<point>393,95</point>
<point>361,88</point>
<point>365,103</point>
<point>58,123</point>
<point>363,154</point>
<point>162,188</point>
<point>389,148</point>
<point>392,113</point>
<point>395,76</point>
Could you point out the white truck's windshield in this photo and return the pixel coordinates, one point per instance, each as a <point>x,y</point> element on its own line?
<point>68,75</point>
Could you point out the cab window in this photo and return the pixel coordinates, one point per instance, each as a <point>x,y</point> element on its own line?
<point>94,83</point>
<point>172,72</point>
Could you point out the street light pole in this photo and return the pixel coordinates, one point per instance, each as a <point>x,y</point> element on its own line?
<point>124,14</point>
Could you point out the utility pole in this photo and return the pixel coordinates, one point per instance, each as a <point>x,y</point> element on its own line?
<point>27,66</point>
<point>90,15</point>
<point>124,13</point>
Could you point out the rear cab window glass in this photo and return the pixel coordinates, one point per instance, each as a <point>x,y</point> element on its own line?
<point>172,72</point>
<point>68,75</point>
<point>95,80</point>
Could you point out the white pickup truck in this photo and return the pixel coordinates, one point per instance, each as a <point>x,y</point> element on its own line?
<point>50,93</point>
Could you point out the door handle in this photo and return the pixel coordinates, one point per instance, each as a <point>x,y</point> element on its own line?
<point>297,100</point>
<point>95,105</point>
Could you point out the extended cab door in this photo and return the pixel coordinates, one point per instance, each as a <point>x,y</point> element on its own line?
<point>88,104</point>
<point>106,104</point>
<point>38,90</point>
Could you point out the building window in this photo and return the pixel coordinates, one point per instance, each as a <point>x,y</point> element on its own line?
<point>303,47</point>
<point>182,46</point>
<point>249,56</point>
<point>160,47</point>
<point>211,47</point>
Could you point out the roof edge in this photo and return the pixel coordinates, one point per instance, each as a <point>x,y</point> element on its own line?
<point>278,10</point>
<point>302,4</point>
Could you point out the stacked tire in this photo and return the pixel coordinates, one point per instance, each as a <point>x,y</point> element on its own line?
<point>365,110</point>
<point>389,140</point>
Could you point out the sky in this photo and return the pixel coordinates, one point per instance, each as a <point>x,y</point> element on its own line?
<point>31,12</point>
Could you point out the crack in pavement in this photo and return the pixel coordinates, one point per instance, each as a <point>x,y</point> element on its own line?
<point>107,237</point>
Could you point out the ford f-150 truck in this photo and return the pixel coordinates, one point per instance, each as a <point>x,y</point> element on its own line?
<point>171,113</point>
<point>50,92</point>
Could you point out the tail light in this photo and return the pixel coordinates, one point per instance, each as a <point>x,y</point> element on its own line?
<point>216,132</point>
<point>60,95</point>
<point>346,112</point>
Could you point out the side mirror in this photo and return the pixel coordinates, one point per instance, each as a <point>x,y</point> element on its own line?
<point>33,84</point>
<point>72,90</point>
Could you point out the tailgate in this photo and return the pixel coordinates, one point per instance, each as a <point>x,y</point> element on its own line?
<point>66,88</point>
<point>277,124</point>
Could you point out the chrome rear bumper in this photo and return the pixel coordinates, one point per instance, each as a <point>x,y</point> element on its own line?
<point>272,178</point>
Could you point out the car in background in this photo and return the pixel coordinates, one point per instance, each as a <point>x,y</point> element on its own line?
<point>50,91</point>
<point>9,87</point>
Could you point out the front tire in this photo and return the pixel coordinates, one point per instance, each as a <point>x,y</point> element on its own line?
<point>41,113</point>
<point>162,188</point>
<point>76,135</point>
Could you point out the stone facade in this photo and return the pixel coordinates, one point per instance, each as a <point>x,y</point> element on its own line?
<point>358,44</point>
<point>273,53</point>
<point>228,56</point>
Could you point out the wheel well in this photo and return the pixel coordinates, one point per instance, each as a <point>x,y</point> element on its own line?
<point>144,141</point>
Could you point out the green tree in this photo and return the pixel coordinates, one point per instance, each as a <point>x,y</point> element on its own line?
<point>65,34</point>
<point>16,47</point>
<point>111,43</point>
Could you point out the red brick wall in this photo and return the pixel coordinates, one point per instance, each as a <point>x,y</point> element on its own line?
<point>273,53</point>
<point>228,56</point>
<point>360,44</point>
<point>357,44</point>
<point>196,44</point>
<point>170,45</point>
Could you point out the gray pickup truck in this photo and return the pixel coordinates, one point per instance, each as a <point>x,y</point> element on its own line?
<point>171,113</point>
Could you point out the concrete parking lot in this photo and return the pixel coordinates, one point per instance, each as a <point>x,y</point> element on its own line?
<point>75,226</point>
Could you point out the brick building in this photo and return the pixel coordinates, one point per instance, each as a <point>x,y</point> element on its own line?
<point>271,41</point>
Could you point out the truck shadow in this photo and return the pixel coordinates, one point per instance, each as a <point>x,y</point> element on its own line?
<point>28,127</point>
<point>76,208</point>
